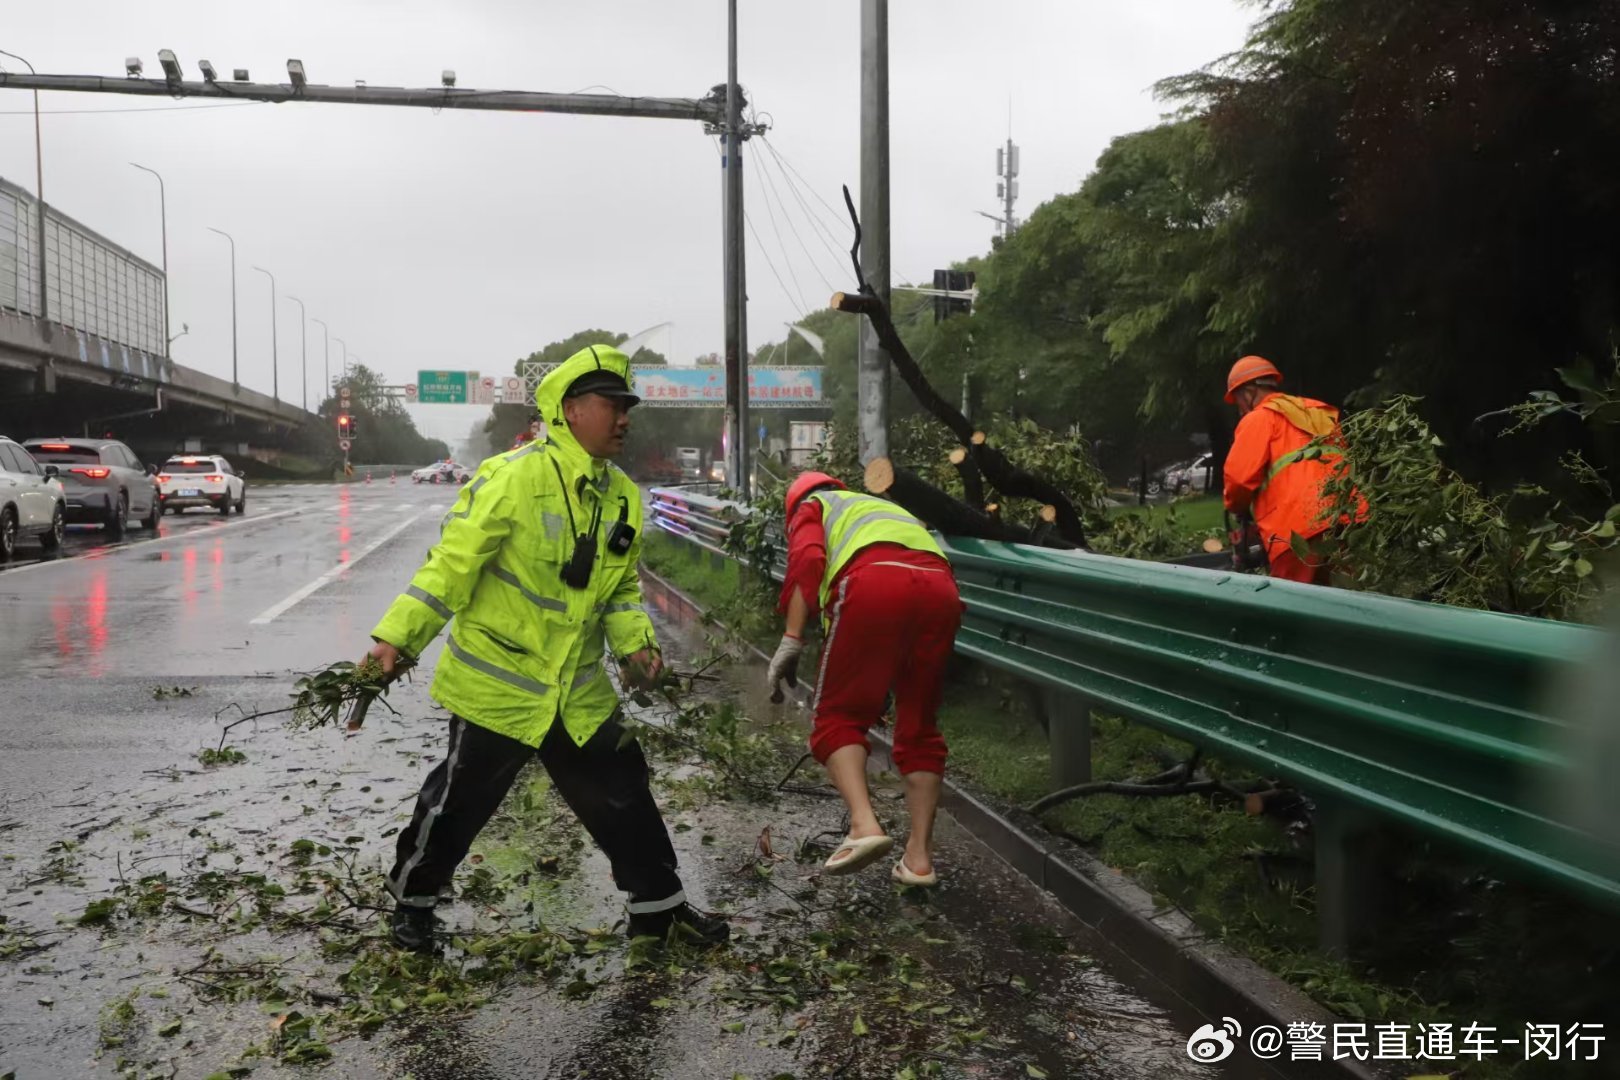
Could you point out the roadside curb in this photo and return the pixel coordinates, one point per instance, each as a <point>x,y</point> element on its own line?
<point>1162,946</point>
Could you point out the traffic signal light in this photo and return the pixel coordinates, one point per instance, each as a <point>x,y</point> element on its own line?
<point>345,425</point>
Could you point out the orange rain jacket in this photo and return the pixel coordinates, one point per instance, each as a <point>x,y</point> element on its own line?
<point>1265,475</point>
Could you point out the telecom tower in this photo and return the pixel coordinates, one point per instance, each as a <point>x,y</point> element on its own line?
<point>1007,186</point>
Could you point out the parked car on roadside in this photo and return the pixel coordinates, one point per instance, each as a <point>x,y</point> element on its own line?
<point>33,503</point>
<point>105,482</point>
<point>1189,476</point>
<point>201,480</point>
<point>442,472</point>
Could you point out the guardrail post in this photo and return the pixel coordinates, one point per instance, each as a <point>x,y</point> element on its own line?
<point>1349,893</point>
<point>1068,735</point>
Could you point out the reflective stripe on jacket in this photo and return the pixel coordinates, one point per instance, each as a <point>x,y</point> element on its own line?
<point>853,521</point>
<point>523,647</point>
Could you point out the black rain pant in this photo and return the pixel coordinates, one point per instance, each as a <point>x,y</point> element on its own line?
<point>606,786</point>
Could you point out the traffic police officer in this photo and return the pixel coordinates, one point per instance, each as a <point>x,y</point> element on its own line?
<point>535,566</point>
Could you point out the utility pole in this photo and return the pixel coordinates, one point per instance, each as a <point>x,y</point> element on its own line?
<point>735,278</point>
<point>163,217</point>
<point>303,333</point>
<point>236,381</point>
<point>275,350</point>
<point>872,363</point>
<point>39,197</point>
<point>326,339</point>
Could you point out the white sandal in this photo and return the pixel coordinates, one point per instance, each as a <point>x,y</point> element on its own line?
<point>857,853</point>
<point>905,876</point>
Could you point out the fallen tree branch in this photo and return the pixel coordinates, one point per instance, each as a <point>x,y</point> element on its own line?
<point>948,515</point>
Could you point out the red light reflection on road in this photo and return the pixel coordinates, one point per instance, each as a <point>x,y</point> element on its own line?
<point>82,624</point>
<point>189,583</point>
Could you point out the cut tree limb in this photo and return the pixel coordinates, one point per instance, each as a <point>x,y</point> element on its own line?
<point>1002,474</point>
<point>972,484</point>
<point>939,509</point>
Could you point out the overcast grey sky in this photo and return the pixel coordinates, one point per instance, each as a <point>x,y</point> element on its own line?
<point>467,240</point>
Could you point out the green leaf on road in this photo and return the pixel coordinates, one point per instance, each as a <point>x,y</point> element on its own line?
<point>859,1027</point>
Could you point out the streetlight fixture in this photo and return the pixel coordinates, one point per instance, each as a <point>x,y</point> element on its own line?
<point>171,66</point>
<point>236,382</point>
<point>209,74</point>
<point>295,72</point>
<point>303,331</point>
<point>39,192</point>
<point>326,338</point>
<point>163,209</point>
<point>275,350</point>
<point>132,66</point>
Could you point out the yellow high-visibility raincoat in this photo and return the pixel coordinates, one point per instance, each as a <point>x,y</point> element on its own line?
<point>525,648</point>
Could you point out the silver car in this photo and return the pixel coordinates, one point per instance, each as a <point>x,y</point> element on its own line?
<point>105,482</point>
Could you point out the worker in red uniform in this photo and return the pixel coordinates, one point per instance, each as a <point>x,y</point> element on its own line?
<point>1268,474</point>
<point>890,612</point>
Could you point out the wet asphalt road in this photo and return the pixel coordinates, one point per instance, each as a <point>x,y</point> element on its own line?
<point>99,782</point>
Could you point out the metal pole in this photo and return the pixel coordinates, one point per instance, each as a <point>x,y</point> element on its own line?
<point>436,97</point>
<point>736,288</point>
<point>39,197</point>
<point>303,331</point>
<point>872,383</point>
<point>163,210</point>
<point>236,381</point>
<point>326,338</point>
<point>345,374</point>
<point>275,350</point>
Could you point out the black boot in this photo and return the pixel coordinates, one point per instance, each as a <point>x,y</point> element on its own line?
<point>412,928</point>
<point>681,923</point>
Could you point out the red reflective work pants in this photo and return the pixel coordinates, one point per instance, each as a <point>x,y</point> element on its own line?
<point>893,617</point>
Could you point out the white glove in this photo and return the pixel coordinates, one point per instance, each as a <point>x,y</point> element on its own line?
<point>784,665</point>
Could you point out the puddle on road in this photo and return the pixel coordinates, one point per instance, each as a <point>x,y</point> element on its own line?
<point>985,977</point>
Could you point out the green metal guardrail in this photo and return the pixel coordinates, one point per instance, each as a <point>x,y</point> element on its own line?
<point>1431,716</point>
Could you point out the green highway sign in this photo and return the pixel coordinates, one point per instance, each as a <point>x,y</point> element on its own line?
<point>441,387</point>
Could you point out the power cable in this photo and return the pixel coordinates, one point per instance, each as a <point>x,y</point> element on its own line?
<point>771,184</point>
<point>786,261</point>
<point>828,240</point>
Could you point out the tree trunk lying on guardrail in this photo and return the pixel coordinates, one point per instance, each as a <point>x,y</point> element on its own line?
<point>994,466</point>
<point>948,515</point>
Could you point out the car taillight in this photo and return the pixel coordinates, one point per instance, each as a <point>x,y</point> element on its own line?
<point>215,479</point>
<point>55,446</point>
<point>163,478</point>
<point>95,474</point>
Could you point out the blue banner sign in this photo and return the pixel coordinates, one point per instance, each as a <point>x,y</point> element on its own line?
<point>697,387</point>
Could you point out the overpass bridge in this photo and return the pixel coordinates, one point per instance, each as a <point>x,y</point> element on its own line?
<point>89,355</point>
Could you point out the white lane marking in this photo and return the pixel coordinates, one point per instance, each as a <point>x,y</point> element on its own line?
<point>202,533</point>
<point>274,612</point>
<point>405,506</point>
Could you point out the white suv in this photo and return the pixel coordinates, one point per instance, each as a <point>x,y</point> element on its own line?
<point>32,502</point>
<point>201,480</point>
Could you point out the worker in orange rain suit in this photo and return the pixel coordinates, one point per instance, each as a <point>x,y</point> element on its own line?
<point>890,610</point>
<point>1268,474</point>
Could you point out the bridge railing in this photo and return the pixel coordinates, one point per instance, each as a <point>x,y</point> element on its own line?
<point>1381,709</point>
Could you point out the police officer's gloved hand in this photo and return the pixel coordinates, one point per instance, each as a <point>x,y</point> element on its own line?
<point>784,666</point>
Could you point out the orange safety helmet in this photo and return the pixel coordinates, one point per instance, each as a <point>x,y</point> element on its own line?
<point>1247,370</point>
<point>804,484</point>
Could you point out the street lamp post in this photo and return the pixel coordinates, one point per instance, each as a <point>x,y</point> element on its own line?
<point>326,338</point>
<point>275,350</point>
<point>236,381</point>
<point>39,197</point>
<point>163,211</point>
<point>340,341</point>
<point>303,333</point>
